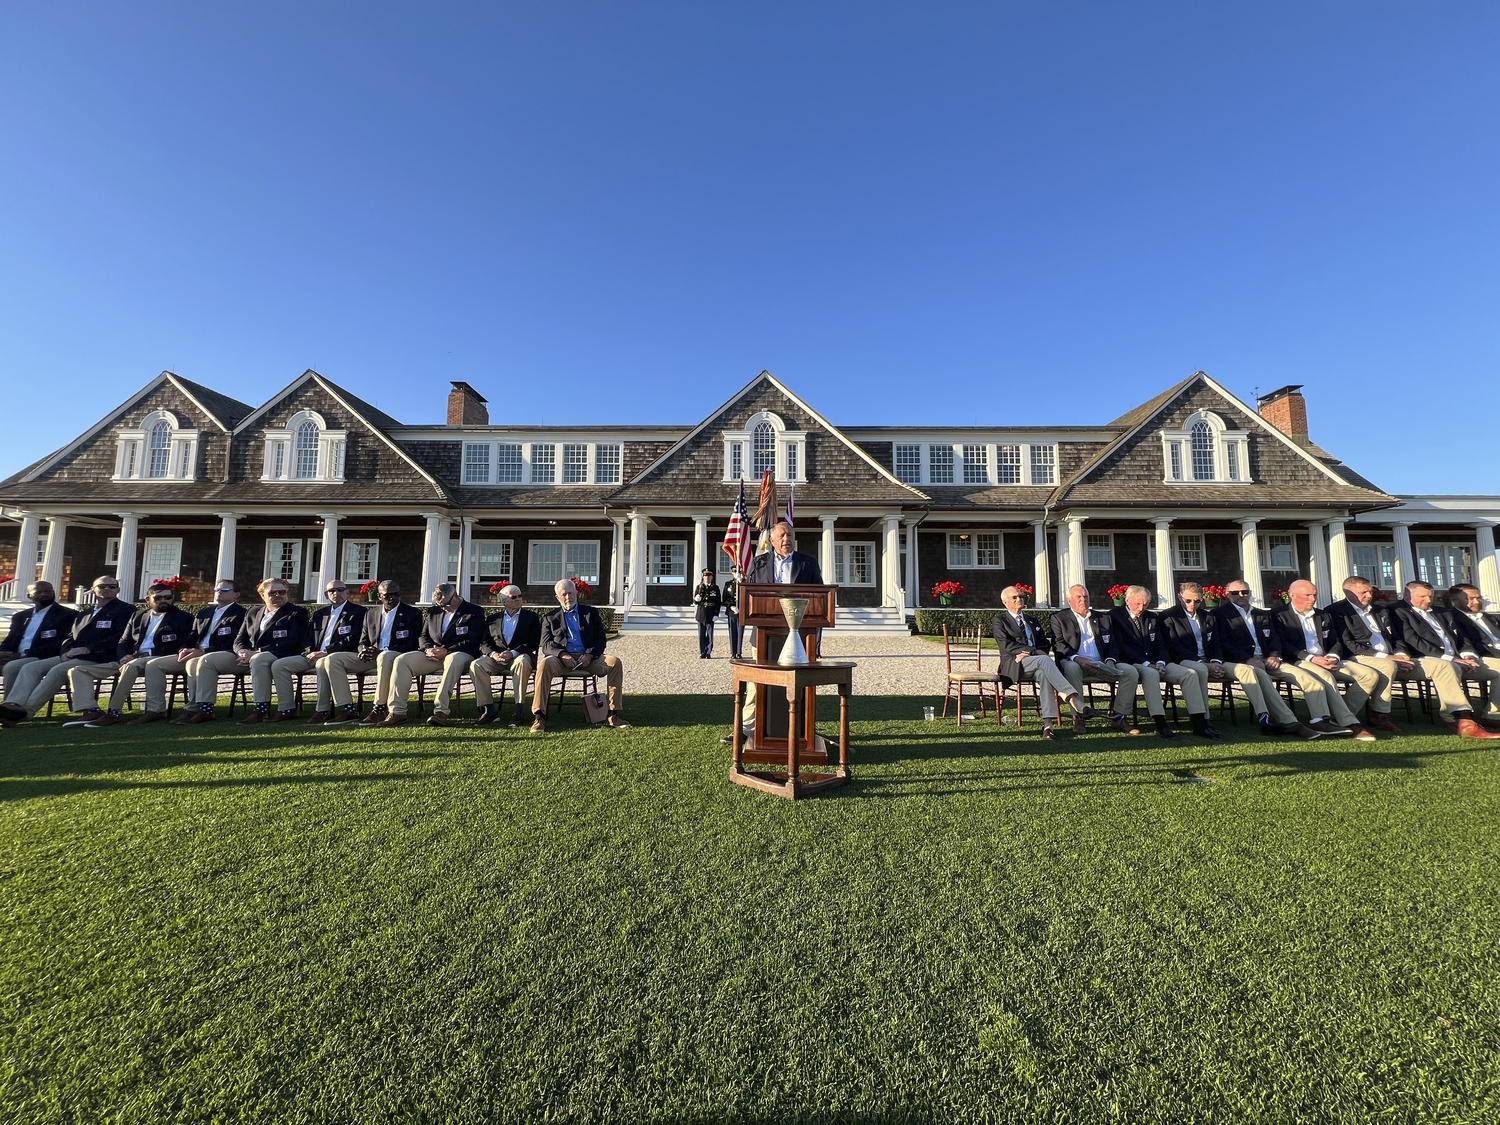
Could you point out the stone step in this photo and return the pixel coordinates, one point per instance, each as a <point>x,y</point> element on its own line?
<point>861,621</point>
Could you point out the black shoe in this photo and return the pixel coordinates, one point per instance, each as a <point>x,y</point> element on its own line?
<point>1087,712</point>
<point>488,714</point>
<point>1047,731</point>
<point>1266,726</point>
<point>1299,730</point>
<point>1203,729</point>
<point>1164,731</point>
<point>518,719</point>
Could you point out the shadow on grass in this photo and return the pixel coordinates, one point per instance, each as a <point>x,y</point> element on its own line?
<point>16,790</point>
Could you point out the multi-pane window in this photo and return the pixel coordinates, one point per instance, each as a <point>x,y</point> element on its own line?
<point>737,461</point>
<point>544,465</point>
<point>1375,563</point>
<point>940,464</point>
<point>508,464</point>
<point>307,451</point>
<point>161,449</point>
<point>477,464</point>
<point>1099,552</point>
<point>791,461</point>
<point>909,464</point>
<point>1232,452</point>
<point>1189,552</point>
<point>854,564</point>
<point>967,550</point>
<point>492,560</point>
<point>607,464</point>
<point>1277,552</point>
<point>1203,451</point>
<point>976,464</point>
<point>361,557</point>
<point>553,560</point>
<point>1175,449</point>
<point>1008,466</point>
<point>764,449</point>
<point>280,462</point>
<point>283,559</point>
<point>987,549</point>
<point>575,464</point>
<point>131,451</point>
<point>666,564</point>
<point>1444,564</point>
<point>1044,464</point>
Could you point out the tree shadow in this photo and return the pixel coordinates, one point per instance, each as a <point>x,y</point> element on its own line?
<point>19,790</point>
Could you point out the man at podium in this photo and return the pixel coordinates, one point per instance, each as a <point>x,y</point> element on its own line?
<point>782,564</point>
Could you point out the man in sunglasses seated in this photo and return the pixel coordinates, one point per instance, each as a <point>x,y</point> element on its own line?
<point>92,649</point>
<point>35,634</point>
<point>274,629</point>
<point>391,630</point>
<point>153,638</point>
<point>336,627</point>
<point>211,654</point>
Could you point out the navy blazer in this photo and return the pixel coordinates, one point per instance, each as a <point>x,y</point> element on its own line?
<point>57,622</point>
<point>1293,640</point>
<point>346,634</point>
<point>526,639</point>
<point>282,631</point>
<point>1473,636</point>
<point>590,631</point>
<point>1066,635</point>
<point>173,633</point>
<point>1236,644</point>
<point>1352,635</point>
<point>1138,642</point>
<point>218,638</point>
<point>804,568</point>
<point>1417,638</point>
<point>1178,633</point>
<point>709,600</point>
<point>465,630</point>
<point>1011,639</point>
<point>731,597</point>
<point>406,633</point>
<point>96,634</point>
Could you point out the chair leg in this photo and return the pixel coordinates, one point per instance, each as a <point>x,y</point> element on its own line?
<point>960,703</point>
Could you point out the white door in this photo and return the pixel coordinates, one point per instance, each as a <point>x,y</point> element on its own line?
<point>312,589</point>
<point>163,560</point>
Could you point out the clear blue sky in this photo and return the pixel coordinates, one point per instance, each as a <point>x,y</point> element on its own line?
<point>918,214</point>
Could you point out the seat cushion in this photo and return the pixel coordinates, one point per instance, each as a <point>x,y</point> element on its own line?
<point>974,677</point>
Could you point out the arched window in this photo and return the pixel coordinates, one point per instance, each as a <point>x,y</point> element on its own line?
<point>765,449</point>
<point>160,449</point>
<point>1203,450</point>
<point>307,450</point>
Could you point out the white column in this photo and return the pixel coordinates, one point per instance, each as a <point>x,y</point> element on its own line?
<point>913,570</point>
<point>1406,566</point>
<point>1486,565</point>
<point>31,532</point>
<point>465,547</point>
<point>1250,561</point>
<point>1039,568</point>
<point>617,561</point>
<point>434,565</point>
<point>1318,549</point>
<point>130,524</point>
<point>636,595</point>
<point>825,564</point>
<point>1166,593</point>
<point>1338,558</point>
<point>700,548</point>
<point>228,532</point>
<point>893,595</point>
<point>1075,552</point>
<point>1062,565</point>
<point>52,562</point>
<point>331,562</point>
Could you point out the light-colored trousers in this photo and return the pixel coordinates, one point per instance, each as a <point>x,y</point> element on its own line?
<point>1375,674</point>
<point>1493,664</point>
<point>204,672</point>
<point>40,680</point>
<point>1191,678</point>
<point>1340,709</point>
<point>1050,681</point>
<point>1123,676</point>
<point>1260,691</point>
<point>286,673</point>
<point>1151,689</point>
<point>263,680</point>
<point>606,667</point>
<point>83,681</point>
<point>410,665</point>
<point>335,670</point>
<point>520,666</point>
<point>12,672</point>
<point>156,669</point>
<point>1448,679</point>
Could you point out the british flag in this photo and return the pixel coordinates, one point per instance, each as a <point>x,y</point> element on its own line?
<point>737,538</point>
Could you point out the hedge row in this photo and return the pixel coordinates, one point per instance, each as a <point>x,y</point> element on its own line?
<point>606,612</point>
<point>931,621</point>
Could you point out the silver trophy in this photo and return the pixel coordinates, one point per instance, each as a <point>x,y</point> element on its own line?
<point>794,652</point>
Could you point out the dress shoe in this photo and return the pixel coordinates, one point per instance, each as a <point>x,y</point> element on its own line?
<point>438,719</point>
<point>1203,729</point>
<point>93,713</point>
<point>488,714</point>
<point>1488,722</point>
<point>1468,728</point>
<point>617,721</point>
<point>375,717</point>
<point>1088,712</point>
<point>1080,724</point>
<point>1299,730</point>
<point>518,719</point>
<point>1124,725</point>
<point>1047,731</point>
<point>280,716</point>
<point>255,717</point>
<point>1330,729</point>
<point>394,719</point>
<point>539,724</point>
<point>1360,733</point>
<point>1164,731</point>
<point>105,720</point>
<point>317,718</point>
<point>149,717</point>
<point>12,710</point>
<point>339,718</point>
<point>1382,721</point>
<point>196,716</point>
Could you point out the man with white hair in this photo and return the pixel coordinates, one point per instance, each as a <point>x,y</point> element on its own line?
<point>1307,639</point>
<point>573,641</point>
<point>1082,641</point>
<point>1432,638</point>
<point>1140,643</point>
<point>453,632</point>
<point>1025,654</point>
<point>509,647</point>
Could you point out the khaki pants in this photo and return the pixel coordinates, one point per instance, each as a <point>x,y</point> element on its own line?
<point>334,672</point>
<point>12,671</point>
<point>204,671</point>
<point>1191,678</point>
<point>1444,675</point>
<point>606,667</point>
<point>1488,670</point>
<point>83,681</point>
<point>1123,676</point>
<point>38,682</point>
<point>1341,709</point>
<point>287,672</point>
<point>1151,688</point>
<point>155,669</point>
<point>1260,691</point>
<point>521,667</point>
<point>1375,674</point>
<point>1493,664</point>
<point>263,680</point>
<point>410,665</point>
<point>1049,679</point>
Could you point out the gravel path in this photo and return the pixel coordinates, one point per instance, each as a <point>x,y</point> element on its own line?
<point>666,665</point>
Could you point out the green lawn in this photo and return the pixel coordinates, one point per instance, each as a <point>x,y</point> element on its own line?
<point>419,924</point>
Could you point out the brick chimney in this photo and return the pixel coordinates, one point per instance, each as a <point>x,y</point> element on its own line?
<point>466,406</point>
<point>1286,409</point>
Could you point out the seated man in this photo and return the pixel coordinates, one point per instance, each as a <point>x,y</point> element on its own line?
<point>1363,639</point>
<point>512,637</point>
<point>1479,630</point>
<point>1429,636</point>
<point>1082,641</point>
<point>92,649</point>
<point>388,631</point>
<point>1188,630</point>
<point>336,627</point>
<point>1025,654</point>
<point>35,634</point>
<point>451,636</point>
<point>152,640</point>
<point>1138,641</point>
<point>1247,644</point>
<point>272,630</point>
<point>211,654</point>
<point>573,641</point>
<point>1306,638</point>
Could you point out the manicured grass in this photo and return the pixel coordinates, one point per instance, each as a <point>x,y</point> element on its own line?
<point>418,924</point>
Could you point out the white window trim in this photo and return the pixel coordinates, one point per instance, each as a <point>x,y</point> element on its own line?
<point>1176,551</point>
<point>1110,535</point>
<point>992,462</point>
<point>112,551</point>
<point>296,560</point>
<point>874,562</point>
<point>746,439</point>
<point>670,579</point>
<point>1223,439</point>
<point>475,576</point>
<point>183,450</point>
<point>1263,552</point>
<point>332,446</point>
<point>344,559</point>
<point>948,548</point>
<point>531,559</point>
<point>591,468</point>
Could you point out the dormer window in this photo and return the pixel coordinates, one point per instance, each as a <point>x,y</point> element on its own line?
<point>160,450</point>
<point>1205,450</point>
<point>765,445</point>
<point>306,450</point>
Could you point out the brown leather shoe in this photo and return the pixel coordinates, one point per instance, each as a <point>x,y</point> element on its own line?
<point>376,716</point>
<point>105,720</point>
<point>317,718</point>
<point>1330,729</point>
<point>196,717</point>
<point>280,716</point>
<point>1381,721</point>
<point>1047,731</point>
<point>1468,728</point>
<point>618,722</point>
<point>93,713</point>
<point>149,717</point>
<point>394,719</point>
<point>438,719</point>
<point>1080,724</point>
<point>1360,733</point>
<point>539,724</point>
<point>254,717</point>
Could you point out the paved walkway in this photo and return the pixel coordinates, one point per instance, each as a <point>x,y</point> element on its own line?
<point>669,664</point>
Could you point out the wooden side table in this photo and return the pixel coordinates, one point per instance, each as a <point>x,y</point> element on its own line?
<point>800,683</point>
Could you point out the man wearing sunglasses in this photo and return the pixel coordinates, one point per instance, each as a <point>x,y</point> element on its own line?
<point>92,648</point>
<point>153,638</point>
<point>211,654</point>
<point>509,646</point>
<point>336,627</point>
<point>1247,642</point>
<point>35,634</point>
<point>274,629</point>
<point>391,629</point>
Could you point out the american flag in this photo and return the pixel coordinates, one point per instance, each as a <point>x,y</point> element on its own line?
<point>737,538</point>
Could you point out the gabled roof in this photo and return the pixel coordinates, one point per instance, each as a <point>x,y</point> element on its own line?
<point>220,409</point>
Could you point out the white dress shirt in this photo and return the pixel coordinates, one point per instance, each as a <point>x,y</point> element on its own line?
<point>213,622</point>
<point>387,625</point>
<point>1310,633</point>
<point>333,623</point>
<point>147,646</point>
<point>508,622</point>
<point>783,569</point>
<point>1437,627</point>
<point>1249,624</point>
<point>1484,628</point>
<point>31,630</point>
<point>1377,638</point>
<point>1087,646</point>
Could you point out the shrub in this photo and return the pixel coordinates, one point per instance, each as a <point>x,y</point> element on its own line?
<point>931,621</point>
